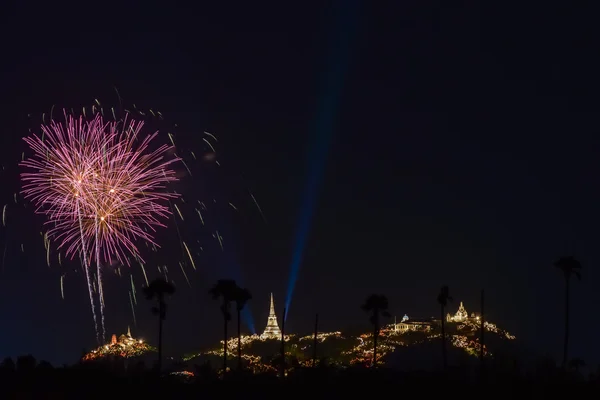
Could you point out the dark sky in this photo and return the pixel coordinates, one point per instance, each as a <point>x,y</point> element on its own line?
<point>464,153</point>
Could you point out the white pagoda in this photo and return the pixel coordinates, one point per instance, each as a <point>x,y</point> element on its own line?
<point>272,330</point>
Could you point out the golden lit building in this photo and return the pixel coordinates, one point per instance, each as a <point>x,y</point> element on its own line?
<point>124,346</point>
<point>272,330</point>
<point>407,325</point>
<point>462,315</point>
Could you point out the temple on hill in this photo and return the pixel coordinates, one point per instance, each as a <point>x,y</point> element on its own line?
<point>408,324</point>
<point>272,330</point>
<point>462,315</point>
<point>123,346</point>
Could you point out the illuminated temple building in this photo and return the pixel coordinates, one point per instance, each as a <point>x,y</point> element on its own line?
<point>123,346</point>
<point>461,315</point>
<point>272,330</point>
<point>425,325</point>
<point>407,324</point>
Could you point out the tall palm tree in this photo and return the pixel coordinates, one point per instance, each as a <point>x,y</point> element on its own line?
<point>226,290</point>
<point>158,289</point>
<point>242,296</point>
<point>569,266</point>
<point>443,299</point>
<point>377,306</point>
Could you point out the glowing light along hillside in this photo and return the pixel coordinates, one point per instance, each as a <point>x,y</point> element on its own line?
<point>261,351</point>
<point>125,346</point>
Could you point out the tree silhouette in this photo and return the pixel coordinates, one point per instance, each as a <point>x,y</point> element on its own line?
<point>377,305</point>
<point>7,366</point>
<point>26,364</point>
<point>44,366</point>
<point>226,290</point>
<point>569,266</point>
<point>242,296</point>
<point>443,299</point>
<point>576,364</point>
<point>158,289</point>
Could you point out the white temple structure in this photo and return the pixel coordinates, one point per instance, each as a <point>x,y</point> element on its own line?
<point>272,330</point>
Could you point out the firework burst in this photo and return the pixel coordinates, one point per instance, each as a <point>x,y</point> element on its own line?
<point>102,188</point>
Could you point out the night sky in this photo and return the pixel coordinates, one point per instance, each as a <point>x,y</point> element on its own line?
<point>463,152</point>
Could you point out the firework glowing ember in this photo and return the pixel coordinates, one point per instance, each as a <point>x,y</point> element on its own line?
<point>101,187</point>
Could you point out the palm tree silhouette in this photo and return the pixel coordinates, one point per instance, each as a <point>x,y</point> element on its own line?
<point>443,299</point>
<point>158,289</point>
<point>569,266</point>
<point>225,289</point>
<point>242,296</point>
<point>377,305</point>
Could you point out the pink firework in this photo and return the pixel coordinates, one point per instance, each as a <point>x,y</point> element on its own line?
<point>100,186</point>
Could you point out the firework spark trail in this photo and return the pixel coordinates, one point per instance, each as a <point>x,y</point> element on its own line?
<point>87,275</point>
<point>164,271</point>
<point>185,165</point>
<point>211,135</point>
<point>179,212</point>
<point>200,215</point>
<point>177,225</point>
<point>257,206</point>
<point>144,271</point>
<point>133,289</point>
<point>184,274</point>
<point>209,145</point>
<point>189,255</point>
<point>132,309</point>
<point>220,239</point>
<point>100,286</point>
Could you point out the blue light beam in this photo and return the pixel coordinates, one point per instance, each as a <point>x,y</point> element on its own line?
<point>341,36</point>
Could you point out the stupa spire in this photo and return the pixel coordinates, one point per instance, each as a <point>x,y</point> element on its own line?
<point>272,329</point>
<point>272,307</point>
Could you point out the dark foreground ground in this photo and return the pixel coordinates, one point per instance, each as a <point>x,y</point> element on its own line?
<point>77,383</point>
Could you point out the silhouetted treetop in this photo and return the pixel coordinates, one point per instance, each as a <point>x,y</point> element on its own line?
<point>242,296</point>
<point>226,289</point>
<point>569,266</point>
<point>444,296</point>
<point>158,288</point>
